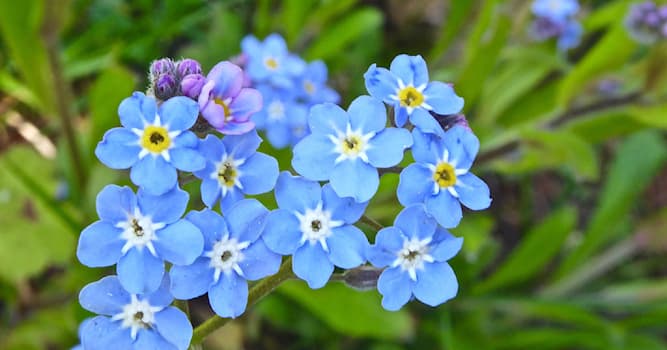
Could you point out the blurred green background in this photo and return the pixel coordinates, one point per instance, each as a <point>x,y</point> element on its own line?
<point>571,254</point>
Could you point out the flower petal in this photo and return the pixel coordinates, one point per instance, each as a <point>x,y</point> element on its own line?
<point>187,159</point>
<point>447,248</point>
<point>473,192</point>
<point>354,178</point>
<point>425,122</point>
<point>259,174</point>
<point>462,146</point>
<point>150,339</point>
<point>119,149</point>
<point>179,243</point>
<point>174,326</point>
<point>380,83</point>
<point>311,264</point>
<point>442,98</point>
<point>294,193</point>
<point>210,191</point>
<point>395,287</point>
<point>414,185</point>
<point>259,261</point>
<point>314,157</point>
<point>367,114</point>
<point>136,109</point>
<point>229,296</point>
<point>415,222</point>
<point>387,147</point>
<point>445,209</point>
<point>100,333</point>
<point>346,209</point>
<point>241,146</point>
<point>327,119</point>
<point>104,297</point>
<point>115,203</point>
<point>191,281</point>
<point>436,283</point>
<point>179,113</point>
<point>247,102</point>
<point>347,246</point>
<point>154,175</point>
<point>140,272</point>
<point>100,245</point>
<point>281,232</point>
<point>212,226</point>
<point>228,79</point>
<point>388,242</point>
<point>411,69</point>
<point>246,220</point>
<point>166,208</point>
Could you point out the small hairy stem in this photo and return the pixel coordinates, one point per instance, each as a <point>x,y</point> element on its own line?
<point>371,222</point>
<point>257,292</point>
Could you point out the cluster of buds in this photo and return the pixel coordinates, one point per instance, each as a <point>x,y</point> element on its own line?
<point>646,22</point>
<point>168,78</point>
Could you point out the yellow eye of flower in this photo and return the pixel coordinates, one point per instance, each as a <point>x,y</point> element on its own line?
<point>309,87</point>
<point>225,107</point>
<point>352,144</point>
<point>271,63</point>
<point>155,139</point>
<point>410,97</point>
<point>227,174</point>
<point>444,175</point>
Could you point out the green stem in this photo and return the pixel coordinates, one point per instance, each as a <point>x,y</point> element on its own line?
<point>257,292</point>
<point>371,222</point>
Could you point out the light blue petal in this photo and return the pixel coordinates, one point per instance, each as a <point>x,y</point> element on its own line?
<point>411,69</point>
<point>210,191</point>
<point>281,232</point>
<point>212,226</point>
<point>140,272</point>
<point>135,109</point>
<point>119,149</point>
<point>445,209</point>
<point>387,147</point>
<point>186,139</point>
<point>275,44</point>
<point>395,287</point>
<point>388,242</point>
<point>211,148</point>
<point>229,296</point>
<point>314,157</point>
<point>246,220</point>
<point>100,245</point>
<point>233,196</point>
<point>259,174</point>
<point>414,185</point>
<point>294,193</point>
<point>259,261</point>
<point>400,115</point>
<point>415,222</point>
<point>473,192</point>
<point>242,146</point>
<point>166,208</point>
<point>191,281</point>
<point>104,297</point>
<point>425,149</point>
<point>436,283</point>
<point>425,122</point>
<point>442,98</point>
<point>179,113</point>
<point>327,119</point>
<point>447,248</point>
<point>179,243</point>
<point>312,265</point>
<point>347,246</point>
<point>462,145</point>
<point>174,326</point>
<point>278,134</point>
<point>381,83</point>
<point>346,209</point>
<point>187,159</point>
<point>162,296</point>
<point>367,114</point>
<point>154,175</point>
<point>354,178</point>
<point>149,339</point>
<point>115,203</point>
<point>251,46</point>
<point>100,333</point>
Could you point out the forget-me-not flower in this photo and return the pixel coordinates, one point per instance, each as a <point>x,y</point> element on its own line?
<point>132,321</point>
<point>346,148</point>
<point>269,61</point>
<point>406,86</point>
<point>139,233</point>
<point>415,252</point>
<point>555,10</point>
<point>315,225</point>
<point>234,168</point>
<point>233,253</point>
<point>440,176</point>
<point>312,85</point>
<point>153,142</point>
<point>283,118</point>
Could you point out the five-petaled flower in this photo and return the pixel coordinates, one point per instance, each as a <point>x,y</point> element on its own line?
<point>269,61</point>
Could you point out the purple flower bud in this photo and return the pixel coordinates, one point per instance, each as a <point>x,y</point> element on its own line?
<point>161,66</point>
<point>165,87</point>
<point>450,120</point>
<point>191,85</point>
<point>187,66</point>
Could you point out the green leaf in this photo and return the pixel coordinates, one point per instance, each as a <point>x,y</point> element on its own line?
<point>294,14</point>
<point>603,126</point>
<point>655,116</point>
<point>534,251</point>
<point>637,161</point>
<point>457,15</point>
<point>353,313</point>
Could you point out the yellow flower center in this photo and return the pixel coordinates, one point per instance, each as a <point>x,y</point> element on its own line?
<point>155,139</point>
<point>227,174</point>
<point>410,97</point>
<point>352,144</point>
<point>309,87</point>
<point>271,63</point>
<point>225,107</point>
<point>444,175</point>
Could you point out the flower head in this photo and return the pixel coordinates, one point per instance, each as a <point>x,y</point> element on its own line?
<point>555,18</point>
<point>315,225</point>
<point>406,86</point>
<point>153,142</point>
<point>283,118</point>
<point>233,253</point>
<point>312,88</point>
<point>347,147</point>
<point>269,61</point>
<point>415,253</point>
<point>139,233</point>
<point>646,22</point>
<point>555,10</point>
<point>132,320</point>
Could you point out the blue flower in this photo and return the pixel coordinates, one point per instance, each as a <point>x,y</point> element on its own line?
<point>312,85</point>
<point>415,252</point>
<point>348,147</point>
<point>283,118</point>
<point>315,225</point>
<point>571,35</point>
<point>233,253</point>
<point>406,86</point>
<point>270,61</point>
<point>132,321</point>
<point>555,10</point>
<point>153,143</point>
<point>234,168</point>
<point>139,233</point>
<point>440,176</point>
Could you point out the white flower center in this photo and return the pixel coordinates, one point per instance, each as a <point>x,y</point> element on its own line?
<point>316,225</point>
<point>155,139</point>
<point>136,315</point>
<point>413,255</point>
<point>227,173</point>
<point>139,231</point>
<point>351,144</point>
<point>276,110</point>
<point>226,256</point>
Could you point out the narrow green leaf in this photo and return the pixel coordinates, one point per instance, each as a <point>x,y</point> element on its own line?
<point>459,12</point>
<point>600,127</point>
<point>655,115</point>
<point>334,39</point>
<point>294,14</point>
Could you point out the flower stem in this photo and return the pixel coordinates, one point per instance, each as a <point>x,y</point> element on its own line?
<point>371,222</point>
<point>257,292</point>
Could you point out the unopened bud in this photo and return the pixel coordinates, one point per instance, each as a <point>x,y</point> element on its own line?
<point>165,87</point>
<point>187,66</point>
<point>362,278</point>
<point>192,84</point>
<point>160,67</point>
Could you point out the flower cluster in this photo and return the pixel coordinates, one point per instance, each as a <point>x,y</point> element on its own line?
<point>165,246</point>
<point>646,22</point>
<point>556,18</point>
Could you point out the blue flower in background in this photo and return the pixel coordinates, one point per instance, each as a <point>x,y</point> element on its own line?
<point>139,233</point>
<point>415,253</point>
<point>346,148</point>
<point>283,118</point>
<point>555,10</point>
<point>312,85</point>
<point>440,176</point>
<point>233,253</point>
<point>234,168</point>
<point>270,61</point>
<point>406,86</point>
<point>153,143</point>
<point>555,18</point>
<point>132,321</point>
<point>315,225</point>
